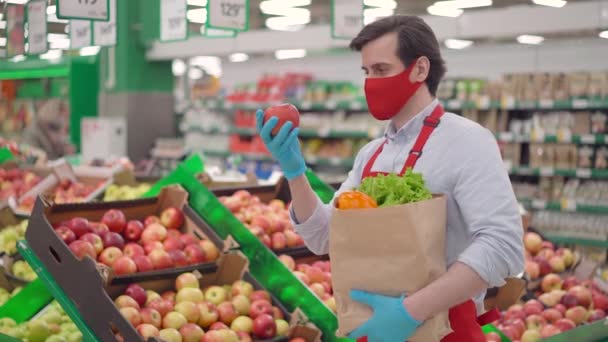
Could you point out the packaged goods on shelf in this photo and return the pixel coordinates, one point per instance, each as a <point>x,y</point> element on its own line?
<point>575,225</point>
<point>562,156</point>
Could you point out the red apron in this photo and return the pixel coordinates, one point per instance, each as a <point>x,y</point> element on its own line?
<point>465,324</point>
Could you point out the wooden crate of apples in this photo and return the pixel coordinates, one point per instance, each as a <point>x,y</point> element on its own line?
<point>268,222</point>
<point>314,274</point>
<point>226,306</point>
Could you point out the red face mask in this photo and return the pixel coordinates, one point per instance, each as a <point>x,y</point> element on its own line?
<point>387,95</point>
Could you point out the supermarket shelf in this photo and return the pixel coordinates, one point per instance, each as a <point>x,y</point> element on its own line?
<point>577,241</point>
<point>550,171</point>
<point>341,162</point>
<point>591,139</point>
<point>225,154</point>
<point>565,205</point>
<point>450,104</point>
<point>337,162</point>
<point>304,133</point>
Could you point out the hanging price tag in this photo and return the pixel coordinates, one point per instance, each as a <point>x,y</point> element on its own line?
<point>80,33</point>
<point>580,103</point>
<point>588,139</point>
<point>347,18</point>
<point>84,9</point>
<point>36,21</point>
<point>228,14</point>
<point>173,22</point>
<point>546,171</point>
<point>104,32</point>
<point>15,30</point>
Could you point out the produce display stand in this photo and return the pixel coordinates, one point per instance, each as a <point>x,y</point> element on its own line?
<point>5,155</point>
<point>595,332</point>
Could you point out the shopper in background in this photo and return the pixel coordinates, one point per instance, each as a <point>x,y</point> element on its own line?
<point>403,67</point>
<point>49,130</point>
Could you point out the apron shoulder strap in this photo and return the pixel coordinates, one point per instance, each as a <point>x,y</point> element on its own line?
<point>430,123</point>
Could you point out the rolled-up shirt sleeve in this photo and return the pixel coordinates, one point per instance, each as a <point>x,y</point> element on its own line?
<point>488,205</point>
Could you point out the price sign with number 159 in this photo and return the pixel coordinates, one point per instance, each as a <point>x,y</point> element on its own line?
<point>228,14</point>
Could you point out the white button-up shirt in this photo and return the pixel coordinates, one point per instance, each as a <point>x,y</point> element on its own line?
<point>461,159</point>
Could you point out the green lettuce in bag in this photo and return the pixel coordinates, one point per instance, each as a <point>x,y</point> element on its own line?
<point>393,189</point>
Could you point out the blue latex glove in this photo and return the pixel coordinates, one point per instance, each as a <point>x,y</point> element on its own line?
<point>390,323</point>
<point>284,147</point>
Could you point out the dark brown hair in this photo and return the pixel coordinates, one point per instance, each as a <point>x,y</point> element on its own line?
<point>416,39</point>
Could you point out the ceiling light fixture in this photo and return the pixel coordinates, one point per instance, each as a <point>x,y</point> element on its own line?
<point>289,54</point>
<point>388,4</point>
<point>51,9</point>
<point>198,15</point>
<point>457,44</point>
<point>201,3</point>
<point>238,57</point>
<point>289,16</point>
<point>52,54</point>
<point>551,3</point>
<point>444,11</point>
<point>372,14</point>
<point>530,39</point>
<point>2,41</point>
<point>89,50</point>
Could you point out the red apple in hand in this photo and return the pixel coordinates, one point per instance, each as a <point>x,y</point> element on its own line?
<point>284,112</point>
<point>115,220</point>
<point>172,218</point>
<point>133,230</point>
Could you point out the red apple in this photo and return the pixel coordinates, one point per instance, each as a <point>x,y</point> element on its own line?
<point>124,301</point>
<point>154,232</point>
<point>570,282</point>
<point>131,315</point>
<point>283,112</point>
<point>194,254</point>
<point>188,239</point>
<point>173,243</point>
<point>218,326</point>
<point>133,230</point>
<point>147,330</point>
<point>124,265</point>
<point>179,258</point>
<point>211,252</point>
<point>132,249</point>
<point>138,293</point>
<point>115,220</point>
<point>303,277</point>
<point>549,330</point>
<point>535,321</point>
<point>170,295</point>
<point>99,228</point>
<point>262,222</point>
<point>532,307</point>
<point>208,314</point>
<point>551,315</point>
<point>191,333</point>
<point>163,306</point>
<point>264,326</point>
<point>277,313</point>
<point>577,314</point>
<point>260,307</point>
<point>241,287</point>
<point>291,238</point>
<point>532,269</point>
<point>532,242</point>
<point>172,218</point>
<point>569,300</point>
<point>266,240</point>
<point>172,233</point>
<point>546,254</point>
<point>561,308</point>
<point>94,240</point>
<point>151,219</point>
<point>113,239</point>
<point>596,315</point>
<point>109,255</point>
<point>143,263</point>
<point>544,266</point>
<point>551,282</point>
<point>151,316</point>
<point>82,248</point>
<point>65,234</point>
<point>160,259</point>
<point>490,337</point>
<point>582,294</point>
<point>152,245</point>
<point>565,324</point>
<point>227,312</point>
<point>79,226</point>
<point>600,301</point>
<point>278,241</point>
<point>259,294</point>
<point>547,245</point>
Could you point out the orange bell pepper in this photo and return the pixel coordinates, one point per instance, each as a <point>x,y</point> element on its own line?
<point>355,200</point>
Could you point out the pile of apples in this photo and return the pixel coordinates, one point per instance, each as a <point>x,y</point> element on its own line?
<point>268,222</point>
<point>9,236</point>
<point>543,258</point>
<point>316,276</point>
<point>563,305</point>
<point>22,270</point>
<point>52,325</point>
<point>124,192</point>
<point>229,313</point>
<point>130,246</point>
<point>16,182</point>
<point>5,295</point>
<point>64,192</point>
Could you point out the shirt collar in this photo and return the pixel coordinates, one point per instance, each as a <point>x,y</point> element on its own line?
<point>413,125</point>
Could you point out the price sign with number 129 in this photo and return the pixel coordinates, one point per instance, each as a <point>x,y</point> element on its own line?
<point>228,14</point>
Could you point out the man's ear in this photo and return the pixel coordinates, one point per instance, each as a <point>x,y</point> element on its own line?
<point>421,70</point>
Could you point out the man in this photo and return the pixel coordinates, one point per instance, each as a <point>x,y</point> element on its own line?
<point>403,66</point>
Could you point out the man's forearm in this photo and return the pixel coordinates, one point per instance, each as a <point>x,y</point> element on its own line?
<point>457,285</point>
<point>303,198</point>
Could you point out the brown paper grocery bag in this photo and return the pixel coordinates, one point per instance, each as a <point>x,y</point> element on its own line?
<point>392,251</point>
